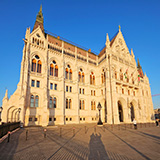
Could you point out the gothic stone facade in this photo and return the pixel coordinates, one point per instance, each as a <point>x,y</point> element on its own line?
<point>62,83</point>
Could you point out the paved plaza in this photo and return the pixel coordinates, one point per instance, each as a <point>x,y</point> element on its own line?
<point>86,141</point>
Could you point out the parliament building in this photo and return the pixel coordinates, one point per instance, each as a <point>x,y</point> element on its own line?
<point>62,83</point>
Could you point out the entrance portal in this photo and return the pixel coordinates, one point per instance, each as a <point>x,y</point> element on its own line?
<point>120,110</point>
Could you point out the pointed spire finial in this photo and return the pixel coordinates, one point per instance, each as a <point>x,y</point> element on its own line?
<point>132,54</point>
<point>119,28</point>
<point>107,41</point>
<point>40,10</point>
<point>40,15</point>
<point>6,94</point>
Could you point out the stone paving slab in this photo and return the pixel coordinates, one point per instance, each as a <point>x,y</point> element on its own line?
<point>84,142</point>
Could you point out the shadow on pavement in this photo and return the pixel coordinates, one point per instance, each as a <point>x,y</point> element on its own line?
<point>8,149</point>
<point>151,135</point>
<point>144,156</point>
<point>96,148</point>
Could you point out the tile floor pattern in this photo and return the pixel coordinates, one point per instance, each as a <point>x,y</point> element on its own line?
<point>84,142</point>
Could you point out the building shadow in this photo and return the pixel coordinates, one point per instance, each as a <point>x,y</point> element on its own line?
<point>96,148</point>
<point>8,149</point>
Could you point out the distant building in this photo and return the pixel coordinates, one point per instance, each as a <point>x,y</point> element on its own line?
<point>62,83</point>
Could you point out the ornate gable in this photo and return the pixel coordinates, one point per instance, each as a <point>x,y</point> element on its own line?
<point>118,44</point>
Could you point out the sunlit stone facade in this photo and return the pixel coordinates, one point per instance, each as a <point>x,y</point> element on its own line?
<point>62,83</point>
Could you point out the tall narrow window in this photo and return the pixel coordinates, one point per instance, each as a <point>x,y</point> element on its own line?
<point>51,69</point>
<point>92,78</point>
<point>39,66</point>
<point>32,83</point>
<point>36,101</point>
<point>50,102</point>
<point>70,74</point>
<point>33,65</point>
<point>54,102</point>
<point>66,75</point>
<point>32,101</point>
<point>56,71</point>
<point>70,103</point>
<point>83,77</point>
<point>66,103</point>
<point>38,84</point>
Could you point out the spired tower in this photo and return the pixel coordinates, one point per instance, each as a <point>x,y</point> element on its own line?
<point>62,83</point>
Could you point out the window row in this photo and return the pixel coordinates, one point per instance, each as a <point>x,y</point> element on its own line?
<point>35,85</point>
<point>123,91</point>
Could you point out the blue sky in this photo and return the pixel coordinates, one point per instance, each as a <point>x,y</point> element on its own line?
<point>86,23</point>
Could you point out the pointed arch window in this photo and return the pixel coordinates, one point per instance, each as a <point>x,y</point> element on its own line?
<point>92,78</point>
<point>103,76</point>
<point>36,64</point>
<point>33,65</point>
<point>39,66</point>
<point>81,75</point>
<point>34,101</point>
<point>68,72</point>
<point>52,102</point>
<point>53,69</point>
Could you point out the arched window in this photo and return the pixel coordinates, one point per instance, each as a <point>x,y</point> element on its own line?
<point>56,71</point>
<point>103,76</point>
<point>36,64</point>
<point>68,73</point>
<point>32,101</point>
<point>53,69</point>
<point>39,66</point>
<point>55,102</point>
<point>92,78</point>
<point>36,101</point>
<point>33,65</point>
<point>81,75</point>
<point>121,75</point>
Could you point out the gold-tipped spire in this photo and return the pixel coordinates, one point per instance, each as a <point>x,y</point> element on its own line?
<point>119,28</point>
<point>40,15</point>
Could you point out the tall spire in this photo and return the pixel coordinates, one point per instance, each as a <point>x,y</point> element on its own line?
<point>138,66</point>
<point>40,15</point>
<point>39,20</point>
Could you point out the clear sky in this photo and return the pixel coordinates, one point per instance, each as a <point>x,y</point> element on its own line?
<point>86,23</point>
